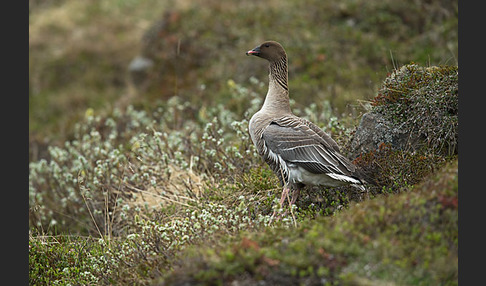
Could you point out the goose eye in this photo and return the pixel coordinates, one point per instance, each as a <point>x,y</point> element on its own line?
<point>267,45</point>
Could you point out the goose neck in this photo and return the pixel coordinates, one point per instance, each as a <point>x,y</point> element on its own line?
<point>277,98</point>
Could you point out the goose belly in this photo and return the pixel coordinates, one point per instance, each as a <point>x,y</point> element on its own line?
<point>300,175</point>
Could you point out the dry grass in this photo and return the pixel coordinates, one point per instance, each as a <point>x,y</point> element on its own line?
<point>183,187</point>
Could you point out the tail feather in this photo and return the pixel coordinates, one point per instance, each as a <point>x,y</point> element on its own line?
<point>355,182</point>
<point>344,178</point>
<point>361,187</point>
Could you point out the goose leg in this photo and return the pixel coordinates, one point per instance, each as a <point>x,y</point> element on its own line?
<point>295,195</point>
<point>285,193</point>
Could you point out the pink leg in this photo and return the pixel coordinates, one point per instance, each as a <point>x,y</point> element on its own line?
<point>295,195</point>
<point>285,193</point>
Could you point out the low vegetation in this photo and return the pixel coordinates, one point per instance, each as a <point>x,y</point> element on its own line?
<point>407,239</point>
<point>156,187</point>
<point>148,192</point>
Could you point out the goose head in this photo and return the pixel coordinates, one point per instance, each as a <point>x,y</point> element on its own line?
<point>269,50</point>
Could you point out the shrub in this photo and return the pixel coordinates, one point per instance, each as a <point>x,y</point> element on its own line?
<point>64,260</point>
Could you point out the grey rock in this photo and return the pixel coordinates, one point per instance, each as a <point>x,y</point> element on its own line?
<point>140,63</point>
<point>138,69</point>
<point>375,130</point>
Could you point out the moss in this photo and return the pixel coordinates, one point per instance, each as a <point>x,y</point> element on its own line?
<point>391,170</point>
<point>423,102</point>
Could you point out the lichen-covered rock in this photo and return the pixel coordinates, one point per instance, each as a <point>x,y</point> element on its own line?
<point>415,110</point>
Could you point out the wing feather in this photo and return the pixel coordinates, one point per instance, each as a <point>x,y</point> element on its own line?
<point>300,142</point>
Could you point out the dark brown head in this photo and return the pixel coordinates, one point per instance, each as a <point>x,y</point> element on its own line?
<point>269,50</point>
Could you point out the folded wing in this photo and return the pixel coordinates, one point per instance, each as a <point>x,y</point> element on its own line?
<point>300,142</point>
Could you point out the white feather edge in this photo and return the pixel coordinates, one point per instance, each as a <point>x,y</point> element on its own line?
<point>354,182</point>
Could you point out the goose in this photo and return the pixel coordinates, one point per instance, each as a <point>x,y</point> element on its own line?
<point>298,151</point>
